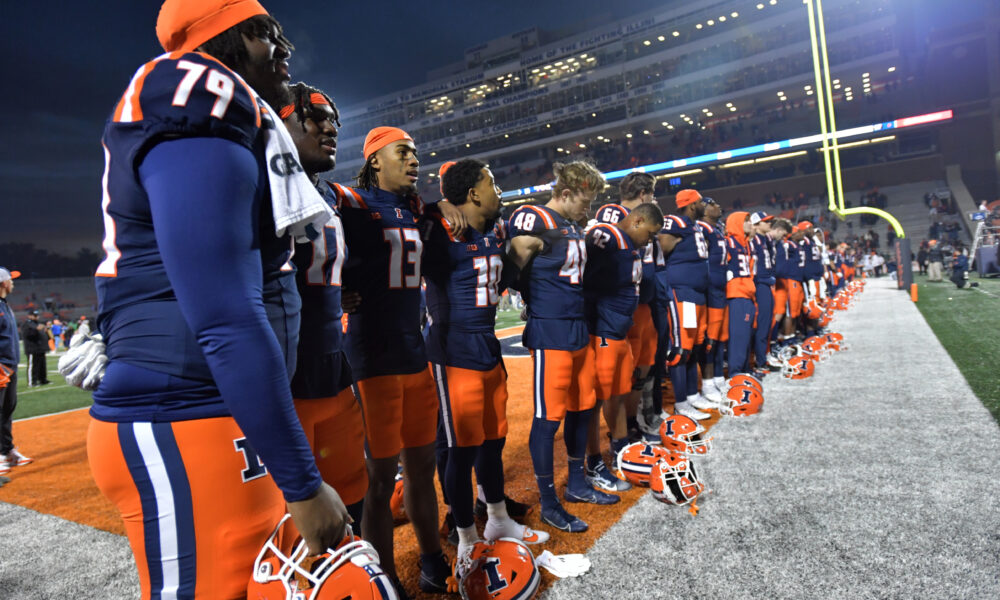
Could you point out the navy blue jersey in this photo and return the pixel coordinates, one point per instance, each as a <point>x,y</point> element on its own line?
<point>812,255</point>
<point>715,238</point>
<point>321,370</point>
<point>197,311</point>
<point>384,266</point>
<point>614,213</point>
<point>464,282</point>
<point>687,263</point>
<point>553,288</point>
<point>611,281</point>
<point>762,247</point>
<point>788,261</point>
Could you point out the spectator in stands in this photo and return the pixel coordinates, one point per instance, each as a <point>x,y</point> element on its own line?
<point>9,357</point>
<point>982,206</point>
<point>36,345</point>
<point>935,258</point>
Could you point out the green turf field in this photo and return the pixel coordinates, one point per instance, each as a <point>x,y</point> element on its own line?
<point>967,322</point>
<point>55,397</point>
<point>508,318</point>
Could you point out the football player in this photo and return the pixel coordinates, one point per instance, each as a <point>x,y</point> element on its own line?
<point>717,332</point>
<point>812,272</point>
<point>550,249</point>
<point>464,276</point>
<point>637,189</point>
<point>385,346</point>
<point>611,285</point>
<point>788,295</point>
<point>686,252</point>
<point>200,319</point>
<point>321,385</point>
<point>762,247</point>
<point>740,291</point>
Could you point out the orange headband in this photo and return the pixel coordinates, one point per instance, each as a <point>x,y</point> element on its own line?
<point>314,99</point>
<point>380,137</point>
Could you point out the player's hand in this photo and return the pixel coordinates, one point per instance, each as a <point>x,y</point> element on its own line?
<point>350,302</point>
<point>673,355</point>
<point>321,520</point>
<point>456,218</point>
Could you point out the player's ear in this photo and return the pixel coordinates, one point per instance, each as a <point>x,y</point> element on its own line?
<point>472,196</point>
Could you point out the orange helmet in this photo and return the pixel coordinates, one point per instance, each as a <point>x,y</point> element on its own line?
<point>798,367</point>
<point>673,480</point>
<point>351,570</point>
<point>396,501</point>
<point>815,348</point>
<point>813,309</point>
<point>682,435</point>
<point>827,316</point>
<point>635,460</point>
<point>742,401</point>
<point>836,342</point>
<point>746,379</point>
<point>500,570</point>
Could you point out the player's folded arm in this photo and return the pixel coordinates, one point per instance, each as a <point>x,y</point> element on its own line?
<point>201,193</point>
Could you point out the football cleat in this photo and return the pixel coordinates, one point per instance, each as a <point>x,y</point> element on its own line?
<point>500,570</point>
<point>701,402</point>
<point>686,409</point>
<point>603,479</point>
<point>635,460</point>
<point>559,518</point>
<point>742,401</point>
<point>589,495</point>
<point>683,435</point>
<point>350,570</point>
<point>674,480</point>
<point>798,367</point>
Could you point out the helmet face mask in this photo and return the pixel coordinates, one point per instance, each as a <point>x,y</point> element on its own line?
<point>674,480</point>
<point>350,569</point>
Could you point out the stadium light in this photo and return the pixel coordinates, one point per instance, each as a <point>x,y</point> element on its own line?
<point>661,38</point>
<point>677,34</point>
<point>760,7</point>
<point>722,19</point>
<point>892,69</point>
<point>698,26</point>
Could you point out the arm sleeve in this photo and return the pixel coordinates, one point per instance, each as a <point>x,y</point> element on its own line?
<point>201,194</point>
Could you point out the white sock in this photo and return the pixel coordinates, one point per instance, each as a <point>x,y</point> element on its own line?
<point>692,397</point>
<point>480,494</point>
<point>468,535</point>
<point>497,510</point>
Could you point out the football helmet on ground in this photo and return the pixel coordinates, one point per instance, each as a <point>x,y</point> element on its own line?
<point>746,379</point>
<point>674,480</point>
<point>634,462</point>
<point>351,570</point>
<point>742,401</point>
<point>798,367</point>
<point>683,435</point>
<point>501,570</point>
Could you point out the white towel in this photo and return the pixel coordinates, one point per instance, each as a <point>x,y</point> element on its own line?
<point>298,208</point>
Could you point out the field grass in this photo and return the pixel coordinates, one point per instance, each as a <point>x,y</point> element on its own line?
<point>967,322</point>
<point>508,318</point>
<point>55,397</point>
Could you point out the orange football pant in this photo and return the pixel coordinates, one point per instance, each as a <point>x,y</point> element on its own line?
<point>399,411</point>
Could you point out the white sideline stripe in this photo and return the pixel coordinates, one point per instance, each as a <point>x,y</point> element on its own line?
<point>62,412</point>
<point>43,389</point>
<point>164,506</point>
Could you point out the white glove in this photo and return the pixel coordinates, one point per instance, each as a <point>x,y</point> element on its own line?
<point>83,365</point>
<point>563,565</point>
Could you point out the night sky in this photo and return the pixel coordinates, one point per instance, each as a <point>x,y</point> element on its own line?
<point>67,68</point>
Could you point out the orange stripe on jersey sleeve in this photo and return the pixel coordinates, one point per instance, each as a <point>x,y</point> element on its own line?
<point>546,217</point>
<point>447,228</point>
<point>680,222</point>
<point>129,109</point>
<point>614,232</point>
